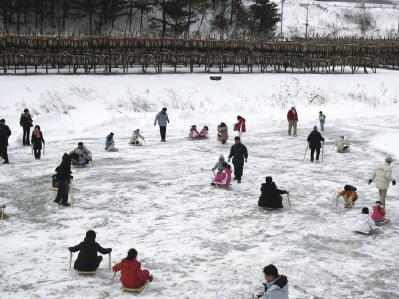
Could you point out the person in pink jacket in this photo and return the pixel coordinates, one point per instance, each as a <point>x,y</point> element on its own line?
<point>378,212</point>
<point>193,132</point>
<point>223,179</point>
<point>204,132</point>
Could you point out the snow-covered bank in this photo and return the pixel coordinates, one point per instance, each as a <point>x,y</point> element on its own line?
<point>198,241</point>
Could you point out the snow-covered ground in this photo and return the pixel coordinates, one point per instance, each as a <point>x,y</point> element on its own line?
<point>199,242</point>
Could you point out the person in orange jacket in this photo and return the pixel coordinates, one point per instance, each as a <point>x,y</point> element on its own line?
<point>349,195</point>
<point>132,276</point>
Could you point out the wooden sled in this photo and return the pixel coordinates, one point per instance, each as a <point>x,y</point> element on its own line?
<point>86,273</point>
<point>215,78</point>
<point>383,222</point>
<point>112,150</point>
<point>2,215</point>
<point>362,233</point>
<point>138,144</point>
<point>138,290</point>
<point>197,138</point>
<point>219,186</point>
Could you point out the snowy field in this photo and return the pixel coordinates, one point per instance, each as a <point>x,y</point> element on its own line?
<point>198,241</point>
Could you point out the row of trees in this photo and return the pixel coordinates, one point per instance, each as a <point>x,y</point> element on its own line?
<point>226,18</point>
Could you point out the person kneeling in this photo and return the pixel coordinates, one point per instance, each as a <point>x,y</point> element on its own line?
<point>349,195</point>
<point>132,276</point>
<point>271,195</point>
<point>110,143</point>
<point>364,223</point>
<point>223,179</point>
<point>87,259</point>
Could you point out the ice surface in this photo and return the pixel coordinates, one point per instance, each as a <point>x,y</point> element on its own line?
<point>198,241</point>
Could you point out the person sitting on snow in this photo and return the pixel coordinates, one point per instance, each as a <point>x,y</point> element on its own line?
<point>378,212</point>
<point>204,132</point>
<point>223,179</point>
<point>87,259</point>
<point>81,155</point>
<point>271,195</point>
<point>364,223</point>
<point>193,132</point>
<point>110,144</point>
<point>219,164</point>
<point>135,138</point>
<point>132,276</point>
<point>349,195</point>
<point>343,146</point>
<point>276,286</point>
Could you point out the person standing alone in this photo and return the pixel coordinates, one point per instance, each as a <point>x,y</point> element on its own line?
<point>26,123</point>
<point>240,125</point>
<point>292,117</point>
<point>239,154</point>
<point>5,133</point>
<point>315,141</point>
<point>37,142</point>
<point>322,119</point>
<point>163,120</point>
<point>383,176</point>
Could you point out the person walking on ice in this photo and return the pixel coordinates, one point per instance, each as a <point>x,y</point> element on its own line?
<point>240,125</point>
<point>292,117</point>
<point>382,177</point>
<point>322,119</point>
<point>37,142</point>
<point>343,146</point>
<point>5,133</point>
<point>132,276</point>
<point>315,141</point>
<point>162,119</point>
<point>239,154</point>
<point>63,178</point>
<point>26,122</point>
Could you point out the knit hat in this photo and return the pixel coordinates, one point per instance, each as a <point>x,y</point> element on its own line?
<point>26,110</point>
<point>269,179</point>
<point>315,128</point>
<point>91,234</point>
<point>221,158</point>
<point>388,159</point>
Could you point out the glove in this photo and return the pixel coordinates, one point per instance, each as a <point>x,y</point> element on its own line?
<point>372,180</point>
<point>151,277</point>
<point>393,182</point>
<point>155,124</point>
<point>70,249</point>
<point>228,160</point>
<point>246,160</point>
<point>109,250</point>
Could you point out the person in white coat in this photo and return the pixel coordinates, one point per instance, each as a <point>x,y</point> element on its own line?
<point>276,286</point>
<point>364,223</point>
<point>382,177</point>
<point>342,145</point>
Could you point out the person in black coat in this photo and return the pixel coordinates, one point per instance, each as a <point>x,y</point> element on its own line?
<point>88,260</point>
<point>271,195</point>
<point>37,141</point>
<point>26,123</point>
<point>315,141</point>
<point>63,178</point>
<point>5,133</point>
<point>239,154</point>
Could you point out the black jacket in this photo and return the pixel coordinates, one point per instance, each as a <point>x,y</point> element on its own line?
<point>5,132</point>
<point>87,258</point>
<point>64,170</point>
<point>25,121</point>
<point>239,153</point>
<point>315,139</point>
<point>37,141</point>
<point>270,196</point>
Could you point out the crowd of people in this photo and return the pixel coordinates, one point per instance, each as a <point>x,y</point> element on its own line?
<point>133,276</point>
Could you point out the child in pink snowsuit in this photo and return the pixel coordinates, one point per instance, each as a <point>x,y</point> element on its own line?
<point>378,212</point>
<point>204,132</point>
<point>193,132</point>
<point>223,179</point>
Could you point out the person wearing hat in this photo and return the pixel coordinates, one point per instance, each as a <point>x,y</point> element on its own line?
<point>292,117</point>
<point>315,141</point>
<point>239,154</point>
<point>219,164</point>
<point>110,143</point>
<point>270,195</point>
<point>26,123</point>
<point>322,119</point>
<point>87,259</point>
<point>382,177</point>
<point>37,142</point>
<point>162,119</point>
<point>132,276</point>
<point>5,133</point>
<point>135,138</point>
<point>63,178</point>
<point>193,132</point>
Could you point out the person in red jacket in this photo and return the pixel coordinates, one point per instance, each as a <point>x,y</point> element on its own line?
<point>292,117</point>
<point>132,276</point>
<point>240,125</point>
<point>378,212</point>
